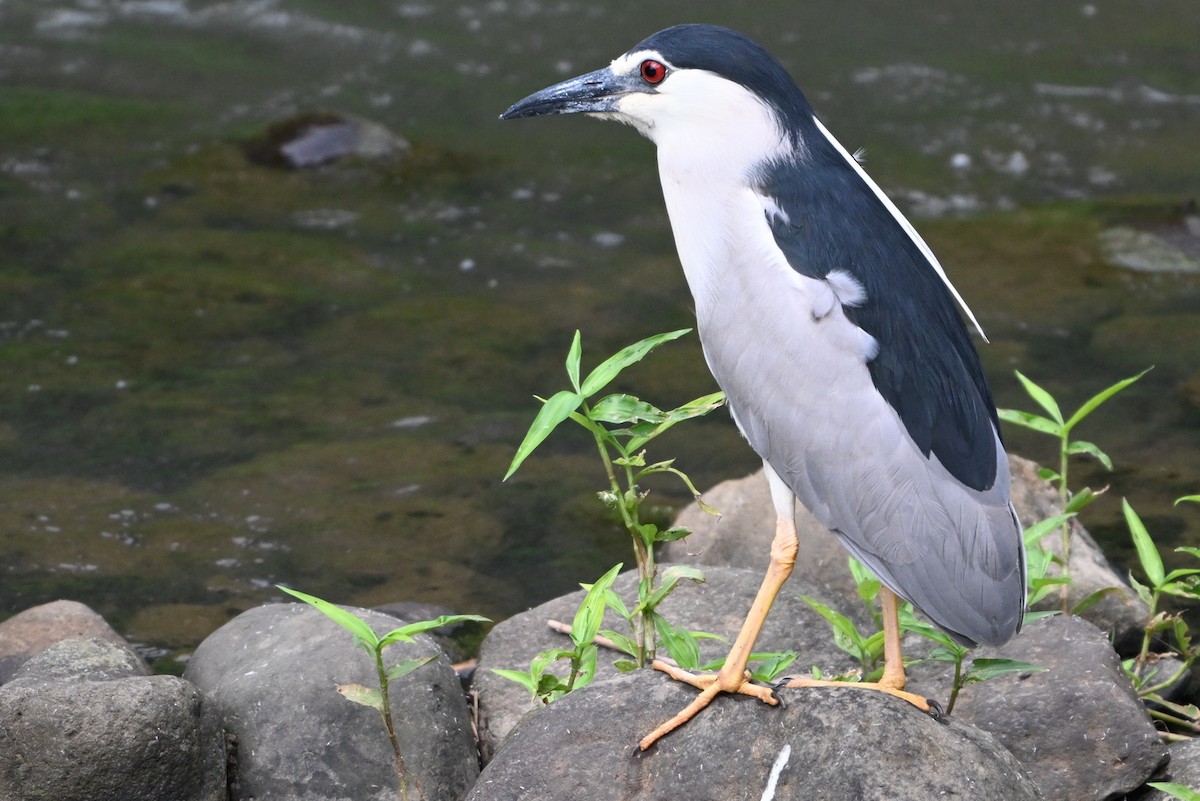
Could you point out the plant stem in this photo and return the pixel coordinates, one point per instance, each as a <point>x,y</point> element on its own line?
<point>1139,664</point>
<point>1064,494</point>
<point>956,685</point>
<point>386,711</point>
<point>627,503</point>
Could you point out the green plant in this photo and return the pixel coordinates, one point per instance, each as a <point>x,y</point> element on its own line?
<point>545,686</point>
<point>1062,429</point>
<point>621,426</point>
<point>867,648</point>
<point>1175,790</point>
<point>366,638</point>
<point>1169,628</point>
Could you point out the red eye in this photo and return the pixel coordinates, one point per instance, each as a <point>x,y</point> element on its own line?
<point>653,71</point>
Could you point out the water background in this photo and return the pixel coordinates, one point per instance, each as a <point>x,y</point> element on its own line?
<point>216,376</point>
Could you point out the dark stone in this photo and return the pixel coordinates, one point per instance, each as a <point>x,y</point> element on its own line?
<point>273,673</point>
<point>316,138</point>
<point>28,633</point>
<point>1183,769</point>
<point>718,606</point>
<point>1078,727</point>
<point>106,731</point>
<point>830,743</point>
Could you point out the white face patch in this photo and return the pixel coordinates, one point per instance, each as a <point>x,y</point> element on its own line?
<point>632,62</point>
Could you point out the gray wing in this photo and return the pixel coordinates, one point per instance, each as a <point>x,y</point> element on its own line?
<point>795,368</point>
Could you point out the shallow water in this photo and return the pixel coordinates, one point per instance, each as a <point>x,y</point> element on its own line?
<point>219,376</point>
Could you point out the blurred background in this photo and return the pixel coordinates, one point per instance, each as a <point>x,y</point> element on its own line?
<point>277,288</point>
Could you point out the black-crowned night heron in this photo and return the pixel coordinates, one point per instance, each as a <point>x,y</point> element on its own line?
<point>834,332</point>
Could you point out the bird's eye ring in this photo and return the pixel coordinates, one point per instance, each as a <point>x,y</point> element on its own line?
<point>653,71</point>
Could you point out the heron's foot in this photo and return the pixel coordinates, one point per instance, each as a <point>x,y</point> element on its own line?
<point>927,705</point>
<point>710,685</point>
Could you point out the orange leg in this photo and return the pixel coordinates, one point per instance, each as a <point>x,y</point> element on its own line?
<point>893,679</point>
<point>733,676</point>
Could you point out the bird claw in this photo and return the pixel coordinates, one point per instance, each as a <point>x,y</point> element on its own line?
<point>936,712</point>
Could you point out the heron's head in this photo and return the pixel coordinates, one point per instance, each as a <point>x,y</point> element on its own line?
<point>690,88</point>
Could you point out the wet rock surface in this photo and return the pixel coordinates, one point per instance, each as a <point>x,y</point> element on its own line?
<point>819,744</point>
<point>273,672</point>
<point>84,720</point>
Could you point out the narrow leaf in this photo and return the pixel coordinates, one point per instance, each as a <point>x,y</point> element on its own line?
<point>1146,550</point>
<point>406,632</point>
<point>526,680</point>
<point>352,623</point>
<point>361,695</point>
<point>406,666</point>
<point>984,669</point>
<point>1034,533</point>
<point>552,413</point>
<point>1092,600</point>
<point>622,409</point>
<point>1188,499</point>
<point>1042,397</point>
<point>1100,397</point>
<point>1082,499</point>
<point>1030,420</point>
<point>1176,790</point>
<point>573,357</point>
<point>611,367</point>
<point>1082,446</point>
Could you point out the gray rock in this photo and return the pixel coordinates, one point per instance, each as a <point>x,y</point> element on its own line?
<point>1183,769</point>
<point>742,535</point>
<point>1079,727</point>
<point>822,744</point>
<point>106,731</point>
<point>718,606</point>
<point>28,633</point>
<point>273,672</point>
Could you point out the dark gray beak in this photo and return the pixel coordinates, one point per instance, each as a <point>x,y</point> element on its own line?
<point>594,93</point>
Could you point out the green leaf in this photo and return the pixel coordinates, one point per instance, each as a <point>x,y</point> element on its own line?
<point>983,669</point>
<point>406,632</point>
<point>1081,500</point>
<point>679,642</point>
<point>1143,592</point>
<point>1176,790</point>
<point>1047,474</point>
<point>1147,552</point>
<point>1188,499</point>
<point>526,680</point>
<point>625,665</point>
<point>590,615</point>
<point>1034,533</point>
<point>1100,397</point>
<point>845,634</point>
<point>351,622</point>
<point>1031,617</point>
<point>770,666</point>
<point>674,533</point>
<point>622,409</point>
<point>362,695</point>
<point>1042,397</point>
<point>623,642</point>
<point>1082,446</point>
<point>573,358</point>
<point>406,666</point>
<point>552,413</point>
<point>1030,420</point>
<point>611,367</point>
<point>1092,600</point>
